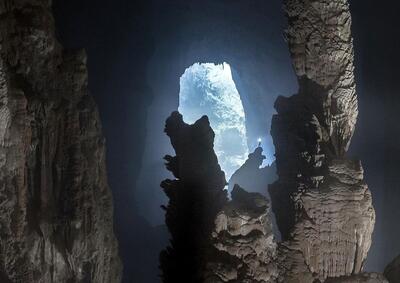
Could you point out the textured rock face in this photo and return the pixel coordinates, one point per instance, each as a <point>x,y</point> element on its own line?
<point>244,240</point>
<point>392,271</point>
<point>55,205</point>
<point>360,278</point>
<point>321,45</point>
<point>323,207</point>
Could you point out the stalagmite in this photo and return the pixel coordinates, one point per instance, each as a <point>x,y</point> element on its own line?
<point>322,204</point>
<point>195,198</point>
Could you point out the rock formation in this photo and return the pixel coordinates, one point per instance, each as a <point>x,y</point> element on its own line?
<point>56,219</point>
<point>213,239</point>
<point>244,240</point>
<point>195,198</point>
<point>321,46</point>
<point>322,205</point>
<point>252,176</point>
<point>392,271</point>
<point>359,278</point>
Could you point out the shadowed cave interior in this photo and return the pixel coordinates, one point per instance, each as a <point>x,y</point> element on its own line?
<point>164,40</point>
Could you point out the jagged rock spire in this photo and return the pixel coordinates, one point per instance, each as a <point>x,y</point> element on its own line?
<point>195,197</point>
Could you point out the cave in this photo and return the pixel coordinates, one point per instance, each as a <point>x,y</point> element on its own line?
<point>261,70</point>
<point>89,96</point>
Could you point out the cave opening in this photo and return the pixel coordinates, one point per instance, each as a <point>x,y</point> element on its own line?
<point>209,89</point>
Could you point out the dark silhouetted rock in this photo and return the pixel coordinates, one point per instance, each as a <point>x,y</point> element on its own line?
<point>392,271</point>
<point>322,205</point>
<point>56,213</point>
<point>195,197</point>
<point>252,176</point>
<point>213,240</point>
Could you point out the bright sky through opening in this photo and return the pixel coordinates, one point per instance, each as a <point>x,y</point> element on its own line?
<point>208,89</point>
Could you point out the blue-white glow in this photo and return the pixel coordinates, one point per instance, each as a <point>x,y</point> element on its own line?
<point>268,149</point>
<point>208,89</point>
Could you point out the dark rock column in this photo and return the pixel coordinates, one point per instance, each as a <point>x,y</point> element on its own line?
<point>195,198</point>
<point>56,218</point>
<point>322,205</point>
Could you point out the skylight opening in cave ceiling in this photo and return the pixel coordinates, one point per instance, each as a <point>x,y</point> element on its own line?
<point>208,89</point>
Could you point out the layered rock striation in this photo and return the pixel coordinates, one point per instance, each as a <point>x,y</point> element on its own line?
<point>322,205</point>
<point>321,47</point>
<point>359,278</point>
<point>244,240</point>
<point>56,218</point>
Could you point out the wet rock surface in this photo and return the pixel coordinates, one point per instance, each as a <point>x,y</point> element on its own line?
<point>56,215</point>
